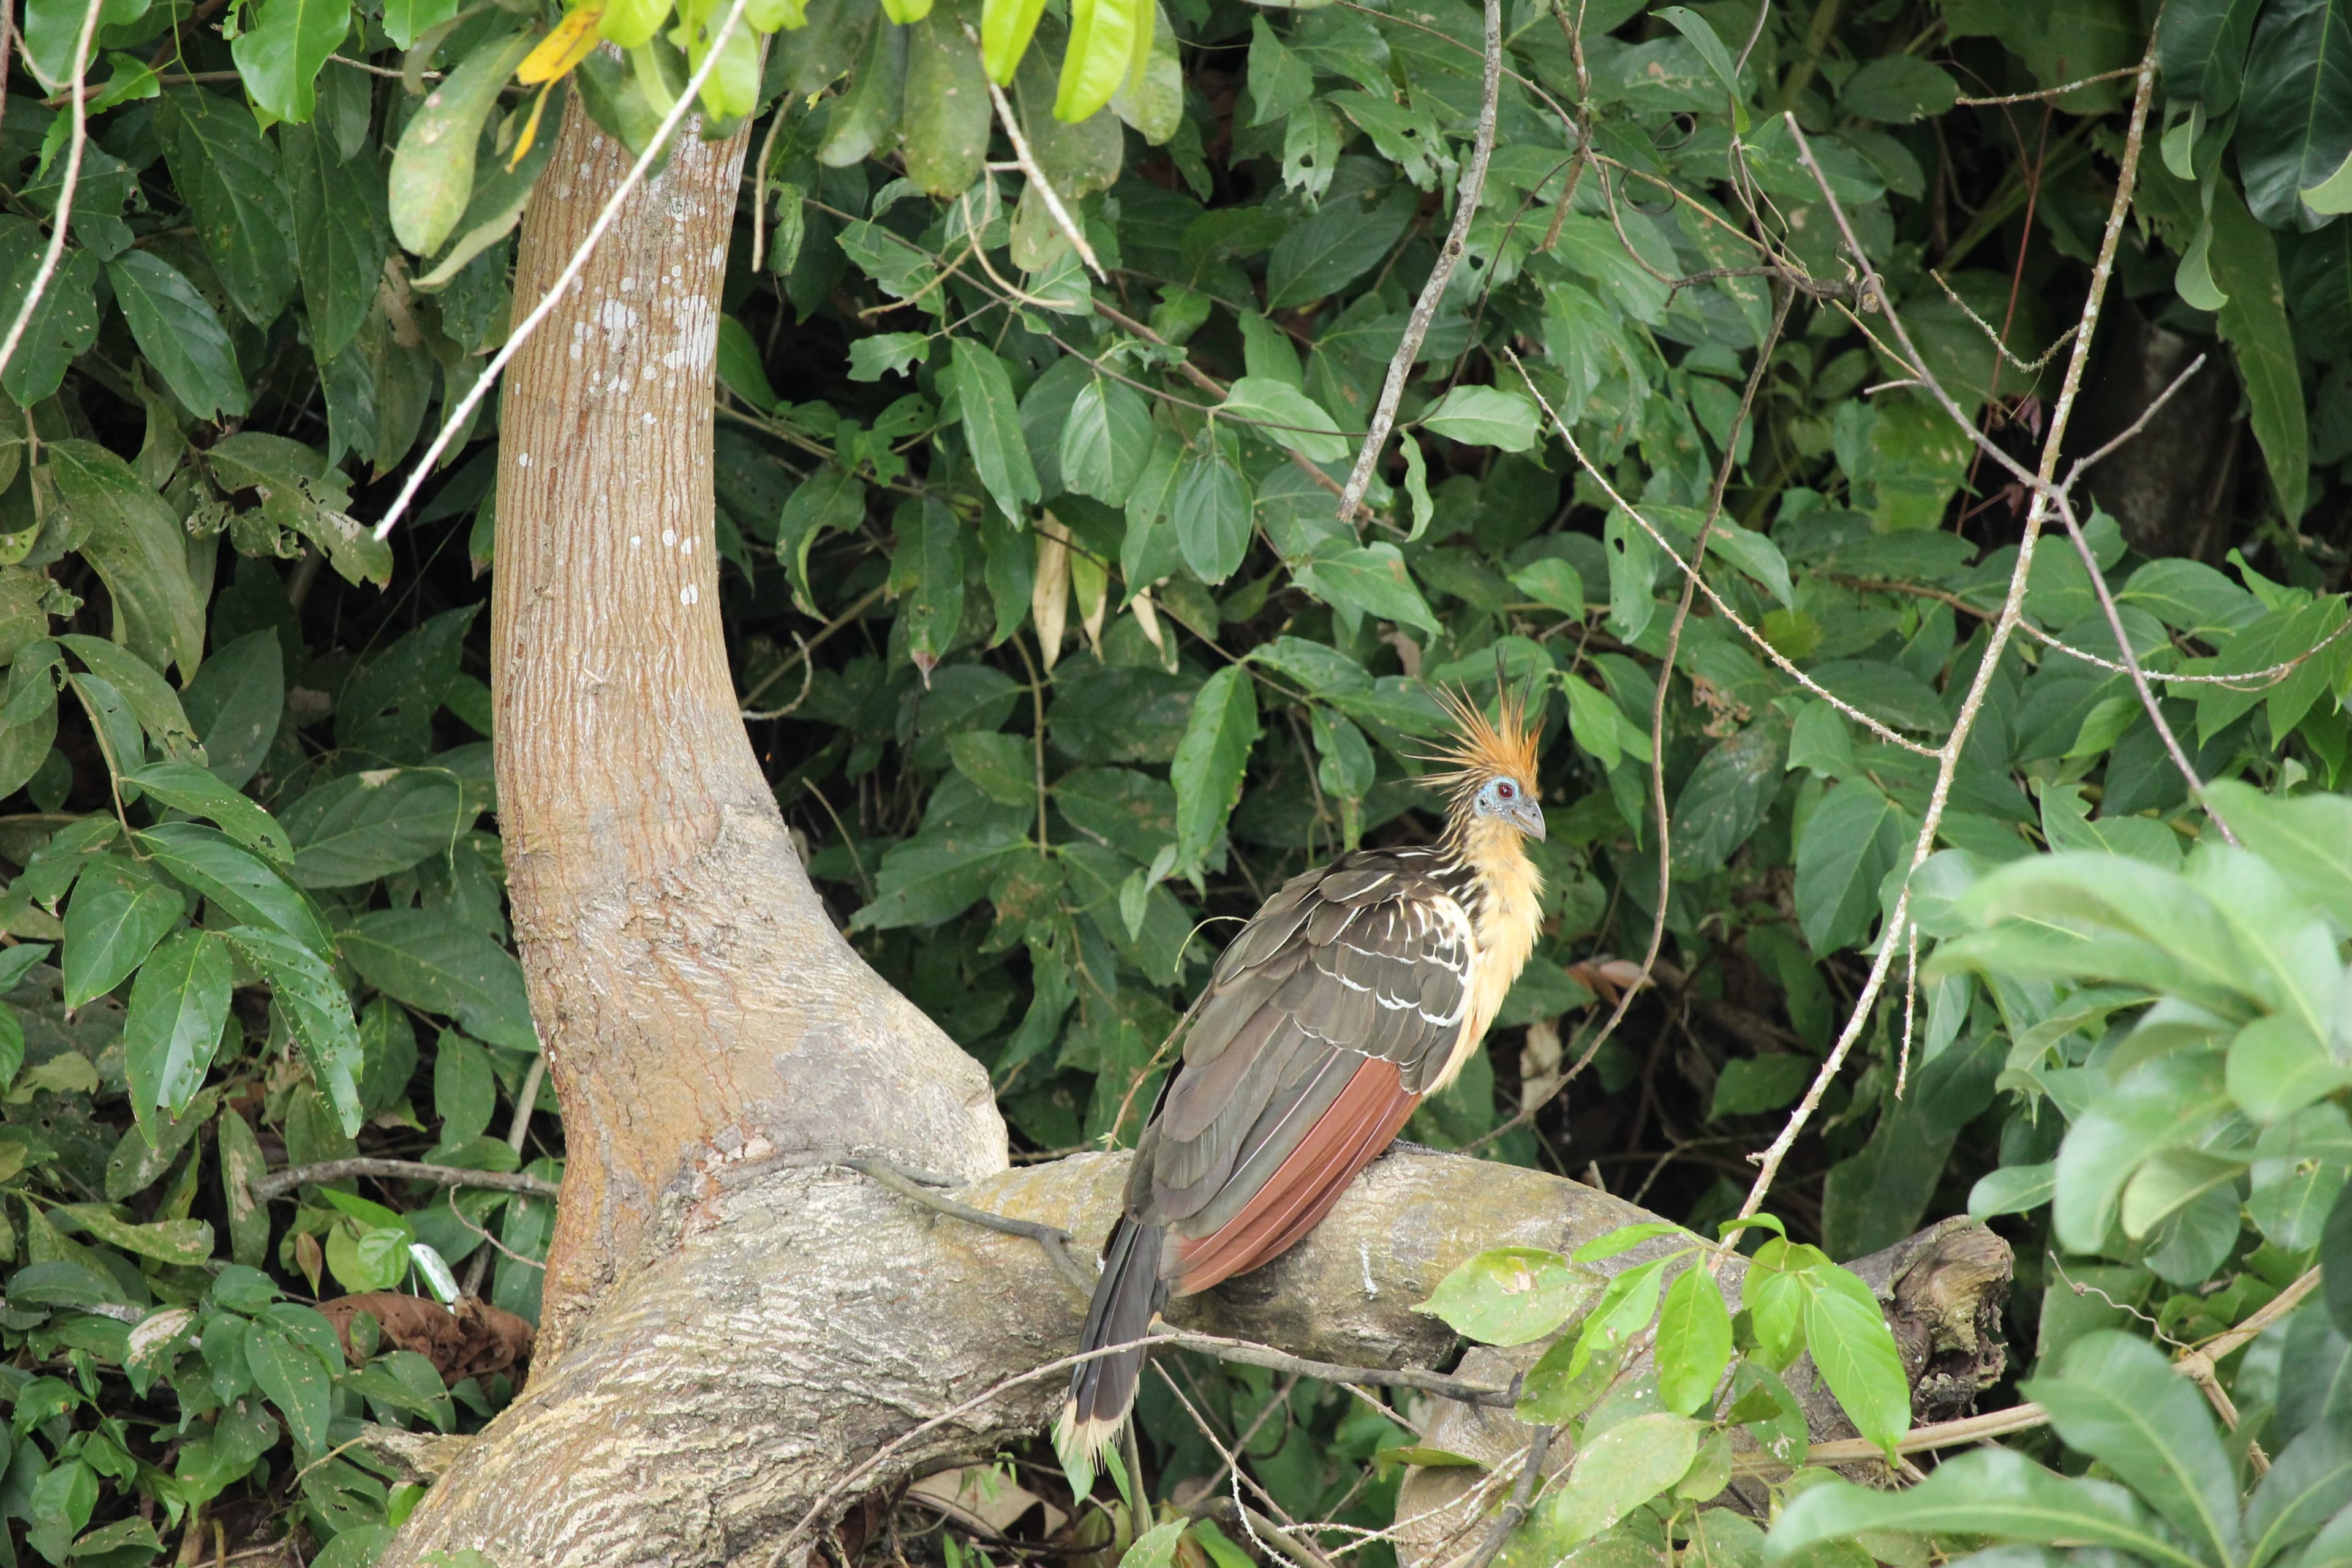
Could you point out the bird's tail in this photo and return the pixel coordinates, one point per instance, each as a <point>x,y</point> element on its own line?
<point>1102,1391</point>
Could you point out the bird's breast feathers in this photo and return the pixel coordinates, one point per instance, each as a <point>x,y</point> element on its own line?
<point>1507,906</point>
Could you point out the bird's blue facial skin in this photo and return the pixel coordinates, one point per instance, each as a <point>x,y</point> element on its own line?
<point>1508,798</point>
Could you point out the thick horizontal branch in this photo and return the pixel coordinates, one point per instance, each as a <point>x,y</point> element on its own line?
<point>279,1183</point>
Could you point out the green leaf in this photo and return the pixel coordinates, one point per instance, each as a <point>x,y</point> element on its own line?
<point>242,1164</point>
<point>318,1011</point>
<point>362,827</point>
<point>295,1381</point>
<point>64,321</point>
<point>181,334</point>
<point>183,1241</point>
<point>2119,1401</point>
<point>828,500</point>
<point>1103,42</point>
<point>1985,1492</point>
<point>227,174</point>
<point>242,886</point>
<point>1598,728</point>
<point>1210,762</point>
<point>1002,765</point>
<point>2307,839</point>
<point>944,136</point>
<point>1371,579</point>
<point>886,353</point>
<point>1553,584</point>
<point>194,790</point>
<point>1340,244</point>
<point>138,548</point>
<point>2244,260</point>
<point>53,31</point>
<point>1726,799</point>
<point>1624,1239</point>
<point>1213,514</point>
<point>1853,839</point>
<point>1694,1340</point>
<point>2307,1484</point>
<point>1620,1470</point>
<point>405,21</point>
<point>1156,1547</point>
<point>2294,124</point>
<point>927,575</point>
<point>279,55</point>
<point>1285,416</point>
<point>1484,416</point>
<point>1508,1295</point>
<point>111,928</point>
<point>433,171</point>
<point>1696,29</point>
<point>178,1005</point>
<point>1279,81</point>
<point>414,956</point>
<point>1847,1333</point>
<point>2012,1189</point>
<point>1897,90</point>
<point>2201,50</point>
<point>992,426</point>
<point>147,696</point>
<point>1107,440</point>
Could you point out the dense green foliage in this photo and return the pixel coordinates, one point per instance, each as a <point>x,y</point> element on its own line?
<point>1056,649</point>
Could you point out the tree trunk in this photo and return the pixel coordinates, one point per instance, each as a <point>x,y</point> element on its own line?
<point>740,1336</point>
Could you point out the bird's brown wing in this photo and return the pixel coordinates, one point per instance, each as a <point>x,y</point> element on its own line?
<point>1323,1023</point>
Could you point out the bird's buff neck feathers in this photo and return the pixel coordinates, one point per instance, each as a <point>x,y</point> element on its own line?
<point>1505,910</point>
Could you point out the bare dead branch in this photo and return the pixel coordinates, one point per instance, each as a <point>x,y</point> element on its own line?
<point>2083,465</point>
<point>1466,196</point>
<point>1247,1354</point>
<point>2059,91</point>
<point>2012,606</point>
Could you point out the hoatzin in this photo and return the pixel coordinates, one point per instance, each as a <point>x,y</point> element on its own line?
<point>1358,990</point>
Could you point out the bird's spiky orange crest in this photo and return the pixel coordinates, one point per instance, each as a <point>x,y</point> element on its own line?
<point>1481,747</point>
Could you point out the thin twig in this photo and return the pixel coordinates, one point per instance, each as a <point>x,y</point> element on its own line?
<point>1035,174</point>
<point>1055,1241</point>
<point>1522,1493</point>
<point>1466,196</point>
<point>2012,607</point>
<point>1252,1354</point>
<point>278,1183</point>
<point>2083,465</point>
<point>65,187</point>
<point>461,416</point>
<point>760,186</point>
<point>2059,91</point>
<point>864,602</point>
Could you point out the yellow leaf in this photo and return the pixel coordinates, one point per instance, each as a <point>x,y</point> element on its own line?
<point>558,52</point>
<point>530,127</point>
<point>1005,29</point>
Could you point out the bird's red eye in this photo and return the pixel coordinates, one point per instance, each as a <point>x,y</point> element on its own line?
<point>1505,790</point>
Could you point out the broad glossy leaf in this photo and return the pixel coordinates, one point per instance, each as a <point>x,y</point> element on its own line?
<point>2308,1483</point>
<point>1484,416</point>
<point>1847,1330</point>
<point>110,927</point>
<point>279,55</point>
<point>194,790</point>
<point>1107,441</point>
<point>228,177</point>
<point>1897,90</point>
<point>2119,1400</point>
<point>1985,1492</point>
<point>992,428</point>
<point>1853,839</point>
<point>945,135</point>
<point>927,573</point>
<point>2296,123</point>
<point>1104,38</point>
<point>1694,1342</point>
<point>433,171</point>
<point>234,879</point>
<point>317,1009</point>
<point>179,331</point>
<point>1210,762</point>
<point>295,1380</point>
<point>1344,240</point>
<point>2202,50</point>
<point>1620,1469</point>
<point>1726,799</point>
<point>178,1005</point>
<point>2244,260</point>
<point>137,545</point>
<point>65,319</point>
<point>1372,580</point>
<point>1508,1295</point>
<point>365,825</point>
<point>1286,416</point>
<point>1213,514</point>
<point>419,959</point>
<point>235,704</point>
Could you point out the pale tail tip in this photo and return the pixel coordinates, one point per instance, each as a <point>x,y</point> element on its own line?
<point>1083,1444</point>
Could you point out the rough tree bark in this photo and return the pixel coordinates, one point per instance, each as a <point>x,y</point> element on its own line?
<point>735,1326</point>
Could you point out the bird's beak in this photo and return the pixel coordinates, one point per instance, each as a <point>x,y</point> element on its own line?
<point>1527,817</point>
